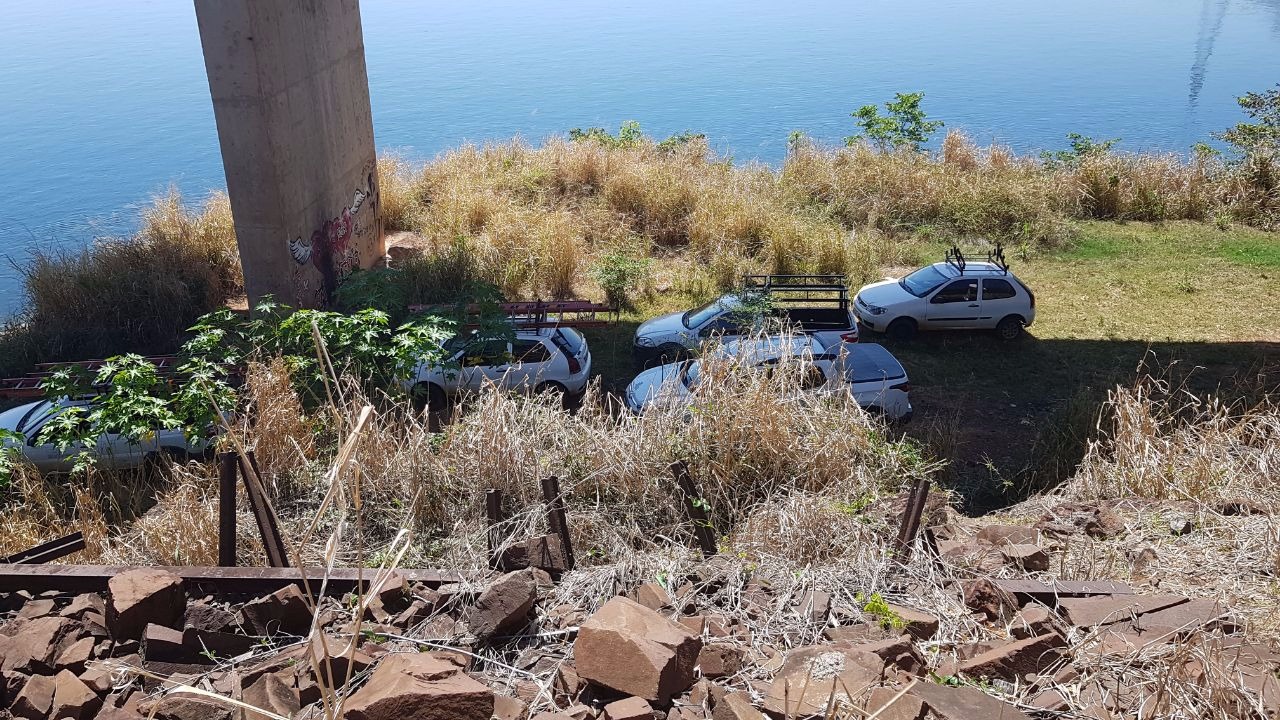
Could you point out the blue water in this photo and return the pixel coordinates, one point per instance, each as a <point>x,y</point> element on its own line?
<point>105,102</point>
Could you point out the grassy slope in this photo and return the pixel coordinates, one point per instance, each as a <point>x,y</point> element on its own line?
<point>1193,302</point>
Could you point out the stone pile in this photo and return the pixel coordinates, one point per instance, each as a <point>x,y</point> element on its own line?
<point>509,649</point>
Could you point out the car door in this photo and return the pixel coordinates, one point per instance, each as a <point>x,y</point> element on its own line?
<point>999,299</point>
<point>531,365</point>
<point>484,362</point>
<point>954,305</point>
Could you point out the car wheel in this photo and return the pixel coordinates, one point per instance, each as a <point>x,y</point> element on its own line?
<point>901,329</point>
<point>552,390</point>
<point>669,353</point>
<point>428,397</point>
<point>1010,328</point>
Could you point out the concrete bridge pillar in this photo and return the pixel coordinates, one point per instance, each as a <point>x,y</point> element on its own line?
<point>291,99</point>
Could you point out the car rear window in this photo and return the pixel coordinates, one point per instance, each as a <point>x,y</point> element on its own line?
<point>996,289</point>
<point>569,341</point>
<point>530,351</point>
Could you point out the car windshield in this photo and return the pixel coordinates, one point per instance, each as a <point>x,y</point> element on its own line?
<point>699,315</point>
<point>34,416</point>
<point>923,281</point>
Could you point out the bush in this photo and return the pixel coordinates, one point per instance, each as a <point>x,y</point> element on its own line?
<point>620,276</point>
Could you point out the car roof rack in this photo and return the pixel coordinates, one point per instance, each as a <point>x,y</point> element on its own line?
<point>955,258</point>
<point>539,313</point>
<point>800,289</point>
<point>996,257</point>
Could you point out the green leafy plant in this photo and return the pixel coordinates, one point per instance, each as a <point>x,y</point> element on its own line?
<point>904,125</point>
<point>1263,133</point>
<point>1082,148</point>
<point>629,136</point>
<point>877,608</point>
<point>620,276</point>
<point>679,140</point>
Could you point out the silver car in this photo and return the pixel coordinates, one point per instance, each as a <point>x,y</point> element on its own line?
<point>873,376</point>
<point>110,451</point>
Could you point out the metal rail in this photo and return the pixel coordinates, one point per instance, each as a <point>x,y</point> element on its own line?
<point>48,551</point>
<point>225,580</point>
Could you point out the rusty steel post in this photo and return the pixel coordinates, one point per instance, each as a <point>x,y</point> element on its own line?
<point>696,506</point>
<point>493,510</point>
<point>227,476</point>
<point>911,519</point>
<point>557,517</point>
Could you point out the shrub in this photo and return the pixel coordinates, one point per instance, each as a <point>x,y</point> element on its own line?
<point>619,275</point>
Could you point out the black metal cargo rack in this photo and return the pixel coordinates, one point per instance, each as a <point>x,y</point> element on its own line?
<point>830,291</point>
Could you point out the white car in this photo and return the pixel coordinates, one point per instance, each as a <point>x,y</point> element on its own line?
<point>547,359</point>
<point>111,451</point>
<point>874,377</point>
<point>810,302</point>
<point>948,296</point>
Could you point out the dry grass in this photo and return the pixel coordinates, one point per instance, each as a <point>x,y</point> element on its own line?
<point>134,294</point>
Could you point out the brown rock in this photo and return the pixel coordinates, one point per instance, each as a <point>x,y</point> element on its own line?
<point>888,705</point>
<point>40,607</point>
<point>82,604</point>
<point>697,624</point>
<point>72,698</point>
<point>74,656</point>
<point>897,651</point>
<point>964,703</point>
<point>1107,609</point>
<point>987,598</point>
<point>554,716</point>
<point>1001,535</point>
<point>36,644</point>
<point>862,632</point>
<point>412,685</point>
<point>736,706</point>
<point>273,694</point>
<point>1016,659</point>
<point>164,644</point>
<point>35,700</point>
<point>815,605</point>
<point>631,708</point>
<point>1093,519</point>
<point>543,552</point>
<point>185,707</point>
<point>141,596</point>
<point>111,712</point>
<point>283,611</point>
<point>504,606</point>
<point>652,595</point>
<point>1034,619</point>
<point>919,625</point>
<point>812,676</point>
<point>720,660</point>
<point>97,678</point>
<point>629,648</point>
<point>1185,617</point>
<point>509,708</point>
<point>1025,557</point>
<point>336,659</point>
<point>209,618</point>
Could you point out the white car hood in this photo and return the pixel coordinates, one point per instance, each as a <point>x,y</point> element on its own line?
<point>654,384</point>
<point>885,293</point>
<point>662,326</point>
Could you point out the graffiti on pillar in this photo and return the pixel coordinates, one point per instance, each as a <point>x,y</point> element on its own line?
<point>330,248</point>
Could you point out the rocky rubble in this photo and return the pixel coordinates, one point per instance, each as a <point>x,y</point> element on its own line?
<point>713,640</point>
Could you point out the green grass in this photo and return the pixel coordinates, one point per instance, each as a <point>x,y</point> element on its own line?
<point>1180,300</point>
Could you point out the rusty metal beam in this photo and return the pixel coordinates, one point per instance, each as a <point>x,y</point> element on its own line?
<point>215,580</point>
<point>263,512</point>
<point>227,468</point>
<point>48,551</point>
<point>1048,592</point>
<point>911,519</point>
<point>558,517</point>
<point>696,506</point>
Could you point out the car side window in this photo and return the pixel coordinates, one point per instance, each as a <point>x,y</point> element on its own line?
<point>724,325</point>
<point>530,351</point>
<point>997,289</point>
<point>490,352</point>
<point>958,291</point>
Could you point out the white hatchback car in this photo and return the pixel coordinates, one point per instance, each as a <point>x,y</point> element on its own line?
<point>548,359</point>
<point>873,376</point>
<point>948,296</point>
<point>110,452</point>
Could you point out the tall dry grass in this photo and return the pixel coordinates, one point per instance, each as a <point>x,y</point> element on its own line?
<point>136,294</point>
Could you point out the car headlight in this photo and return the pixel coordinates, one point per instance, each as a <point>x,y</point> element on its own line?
<point>644,341</point>
<point>875,309</point>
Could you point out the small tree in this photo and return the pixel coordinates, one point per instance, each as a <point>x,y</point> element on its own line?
<point>1082,147</point>
<point>1263,135</point>
<point>905,125</point>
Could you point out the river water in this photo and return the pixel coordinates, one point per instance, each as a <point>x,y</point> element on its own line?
<point>106,103</point>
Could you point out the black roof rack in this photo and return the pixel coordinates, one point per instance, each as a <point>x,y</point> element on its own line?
<point>800,289</point>
<point>956,259</point>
